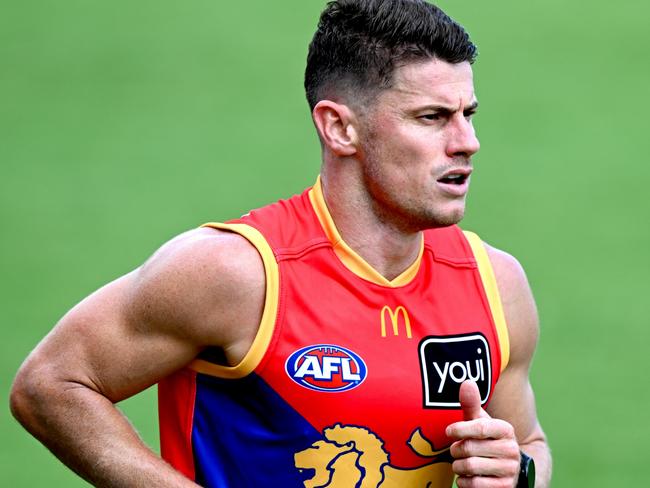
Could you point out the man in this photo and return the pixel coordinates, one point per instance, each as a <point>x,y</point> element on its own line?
<point>325,340</point>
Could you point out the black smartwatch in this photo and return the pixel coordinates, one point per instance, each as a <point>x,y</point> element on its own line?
<point>526,472</point>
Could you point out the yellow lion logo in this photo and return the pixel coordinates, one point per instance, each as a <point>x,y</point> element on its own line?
<point>353,456</point>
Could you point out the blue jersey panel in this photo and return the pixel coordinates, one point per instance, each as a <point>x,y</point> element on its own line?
<point>245,435</point>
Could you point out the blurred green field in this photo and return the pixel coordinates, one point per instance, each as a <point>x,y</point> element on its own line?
<point>125,123</point>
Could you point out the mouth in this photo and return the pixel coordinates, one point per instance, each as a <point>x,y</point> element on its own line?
<point>455,177</point>
<point>455,182</point>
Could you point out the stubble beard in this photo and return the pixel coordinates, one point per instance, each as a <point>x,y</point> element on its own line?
<point>407,215</point>
<point>426,217</point>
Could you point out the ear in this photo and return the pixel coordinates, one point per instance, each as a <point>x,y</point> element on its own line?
<point>335,123</point>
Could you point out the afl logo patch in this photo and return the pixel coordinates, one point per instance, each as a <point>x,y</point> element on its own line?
<point>325,367</point>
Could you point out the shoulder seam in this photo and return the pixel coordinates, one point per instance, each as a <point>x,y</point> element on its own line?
<point>491,290</point>
<point>264,335</point>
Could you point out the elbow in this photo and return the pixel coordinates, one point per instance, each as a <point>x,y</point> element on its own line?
<point>28,393</point>
<point>20,397</point>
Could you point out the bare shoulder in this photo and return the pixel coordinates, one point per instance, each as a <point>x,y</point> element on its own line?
<point>518,304</point>
<point>203,288</point>
<point>206,253</point>
<point>210,280</point>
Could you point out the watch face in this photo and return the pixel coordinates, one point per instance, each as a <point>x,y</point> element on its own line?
<point>531,473</point>
<point>527,472</point>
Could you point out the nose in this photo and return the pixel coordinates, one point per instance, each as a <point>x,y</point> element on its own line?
<point>462,139</point>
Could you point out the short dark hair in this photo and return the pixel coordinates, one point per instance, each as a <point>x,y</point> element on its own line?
<point>359,43</point>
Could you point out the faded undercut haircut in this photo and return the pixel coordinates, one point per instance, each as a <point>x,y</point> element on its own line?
<point>359,44</point>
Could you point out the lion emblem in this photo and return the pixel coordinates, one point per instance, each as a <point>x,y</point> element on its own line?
<point>354,456</point>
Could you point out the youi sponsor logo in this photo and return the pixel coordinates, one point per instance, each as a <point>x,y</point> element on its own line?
<point>326,367</point>
<point>447,361</point>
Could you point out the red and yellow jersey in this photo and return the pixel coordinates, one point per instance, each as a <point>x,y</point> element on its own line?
<point>352,378</point>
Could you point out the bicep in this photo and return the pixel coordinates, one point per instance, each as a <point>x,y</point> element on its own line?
<point>106,343</point>
<point>147,324</point>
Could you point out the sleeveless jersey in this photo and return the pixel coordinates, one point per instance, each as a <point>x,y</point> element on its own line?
<point>351,379</point>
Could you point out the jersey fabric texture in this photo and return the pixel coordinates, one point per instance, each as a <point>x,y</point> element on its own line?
<point>352,378</point>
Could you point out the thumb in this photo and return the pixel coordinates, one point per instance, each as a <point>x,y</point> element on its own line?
<point>470,401</point>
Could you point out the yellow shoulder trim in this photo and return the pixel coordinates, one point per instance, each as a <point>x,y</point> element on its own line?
<point>267,324</point>
<point>492,292</point>
<point>347,255</point>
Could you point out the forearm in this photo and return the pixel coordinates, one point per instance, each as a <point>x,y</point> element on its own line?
<point>541,454</point>
<point>91,436</point>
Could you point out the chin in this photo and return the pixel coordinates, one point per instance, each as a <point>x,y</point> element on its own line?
<point>447,222</point>
<point>444,219</point>
<point>415,219</point>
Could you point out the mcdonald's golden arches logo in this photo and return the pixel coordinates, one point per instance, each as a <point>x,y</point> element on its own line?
<point>394,316</point>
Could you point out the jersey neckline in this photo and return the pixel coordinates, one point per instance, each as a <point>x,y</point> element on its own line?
<point>350,259</point>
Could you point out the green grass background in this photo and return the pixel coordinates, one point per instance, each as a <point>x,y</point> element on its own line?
<point>125,123</point>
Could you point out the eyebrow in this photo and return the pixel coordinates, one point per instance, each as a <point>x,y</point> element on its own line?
<point>448,110</point>
<point>472,106</point>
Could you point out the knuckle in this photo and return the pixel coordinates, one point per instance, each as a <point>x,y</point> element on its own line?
<point>514,452</point>
<point>484,429</point>
<point>509,449</point>
<point>506,430</point>
<point>508,468</point>
<point>472,465</point>
<point>514,468</point>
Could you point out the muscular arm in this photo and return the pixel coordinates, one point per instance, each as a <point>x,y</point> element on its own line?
<point>513,399</point>
<point>488,442</point>
<point>205,288</point>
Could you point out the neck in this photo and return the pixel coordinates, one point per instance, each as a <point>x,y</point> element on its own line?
<point>389,249</point>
